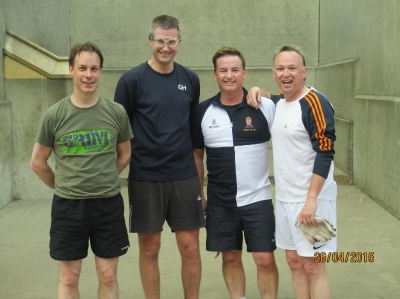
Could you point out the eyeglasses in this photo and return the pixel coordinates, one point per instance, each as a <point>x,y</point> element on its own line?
<point>160,42</point>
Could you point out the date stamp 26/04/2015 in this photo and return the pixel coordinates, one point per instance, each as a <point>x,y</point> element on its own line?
<point>344,257</point>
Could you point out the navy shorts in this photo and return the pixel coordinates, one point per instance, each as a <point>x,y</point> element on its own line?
<point>178,202</point>
<point>76,222</point>
<point>226,225</point>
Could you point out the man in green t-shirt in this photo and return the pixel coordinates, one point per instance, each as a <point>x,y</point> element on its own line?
<point>90,139</point>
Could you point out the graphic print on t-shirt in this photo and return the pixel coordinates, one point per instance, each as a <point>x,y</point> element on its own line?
<point>82,142</point>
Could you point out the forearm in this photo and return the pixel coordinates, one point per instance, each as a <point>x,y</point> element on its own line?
<point>307,214</point>
<point>122,162</point>
<point>44,172</point>
<point>317,182</point>
<point>265,94</point>
<point>200,172</point>
<point>123,155</point>
<point>198,159</point>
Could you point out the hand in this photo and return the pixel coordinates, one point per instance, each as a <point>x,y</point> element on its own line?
<point>308,212</point>
<point>321,231</point>
<point>254,97</point>
<point>204,204</point>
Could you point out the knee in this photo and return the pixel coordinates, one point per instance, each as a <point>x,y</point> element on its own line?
<point>188,243</point>
<point>108,278</point>
<point>190,251</point>
<point>231,257</point>
<point>294,261</point>
<point>69,280</point>
<point>151,253</point>
<point>150,250</point>
<point>265,260</point>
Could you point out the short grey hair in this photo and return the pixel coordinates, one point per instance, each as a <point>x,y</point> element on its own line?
<point>165,22</point>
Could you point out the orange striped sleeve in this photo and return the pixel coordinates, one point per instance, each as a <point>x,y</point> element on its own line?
<point>312,99</point>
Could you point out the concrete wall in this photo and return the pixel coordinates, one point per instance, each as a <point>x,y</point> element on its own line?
<point>2,36</point>
<point>255,27</point>
<point>371,32</point>
<point>207,26</point>
<point>45,23</point>
<point>26,114</point>
<point>5,125</point>
<point>350,48</point>
<point>365,91</point>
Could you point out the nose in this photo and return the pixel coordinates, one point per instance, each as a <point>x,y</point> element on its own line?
<point>88,73</point>
<point>286,72</point>
<point>165,47</point>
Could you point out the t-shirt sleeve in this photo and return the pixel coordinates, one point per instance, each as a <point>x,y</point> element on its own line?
<point>275,98</point>
<point>195,128</point>
<point>125,94</point>
<point>268,109</point>
<point>196,93</point>
<point>45,133</point>
<point>126,130</point>
<point>318,119</point>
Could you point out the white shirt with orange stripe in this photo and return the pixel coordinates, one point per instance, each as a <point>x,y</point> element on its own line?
<point>303,135</point>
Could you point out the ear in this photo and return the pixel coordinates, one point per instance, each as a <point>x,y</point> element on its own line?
<point>70,68</point>
<point>245,72</point>
<point>215,76</point>
<point>304,73</point>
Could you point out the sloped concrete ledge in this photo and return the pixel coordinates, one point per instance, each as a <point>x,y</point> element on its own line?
<point>35,57</point>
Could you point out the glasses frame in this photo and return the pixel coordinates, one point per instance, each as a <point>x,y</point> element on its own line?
<point>166,42</point>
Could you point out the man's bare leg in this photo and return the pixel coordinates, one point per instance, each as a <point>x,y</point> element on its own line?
<point>301,283</point>
<point>70,272</point>
<point>267,274</point>
<point>149,247</point>
<point>320,285</point>
<point>107,274</point>
<point>188,244</point>
<point>233,271</point>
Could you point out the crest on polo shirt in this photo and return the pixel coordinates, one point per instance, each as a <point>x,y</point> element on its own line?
<point>249,125</point>
<point>214,127</point>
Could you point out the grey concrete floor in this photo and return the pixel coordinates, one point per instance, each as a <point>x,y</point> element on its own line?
<point>27,271</point>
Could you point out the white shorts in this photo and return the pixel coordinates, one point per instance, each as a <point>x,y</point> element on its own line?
<point>290,237</point>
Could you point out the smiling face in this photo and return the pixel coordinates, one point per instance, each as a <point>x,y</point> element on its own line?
<point>164,56</point>
<point>86,73</point>
<point>290,74</point>
<point>230,74</point>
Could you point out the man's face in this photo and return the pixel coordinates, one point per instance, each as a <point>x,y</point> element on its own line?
<point>229,74</point>
<point>86,72</point>
<point>289,74</point>
<point>164,55</point>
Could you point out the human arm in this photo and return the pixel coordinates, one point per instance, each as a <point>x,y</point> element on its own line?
<point>310,207</point>
<point>319,122</point>
<point>40,166</point>
<point>125,94</point>
<point>198,155</point>
<point>254,96</point>
<point>123,155</point>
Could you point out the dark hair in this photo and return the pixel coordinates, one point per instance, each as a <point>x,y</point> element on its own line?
<point>165,22</point>
<point>228,51</point>
<point>290,48</point>
<point>86,47</point>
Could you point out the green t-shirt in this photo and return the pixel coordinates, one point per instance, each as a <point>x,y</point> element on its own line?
<point>84,143</point>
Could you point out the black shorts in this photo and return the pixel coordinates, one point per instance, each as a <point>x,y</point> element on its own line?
<point>225,227</point>
<point>75,222</point>
<point>178,202</point>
